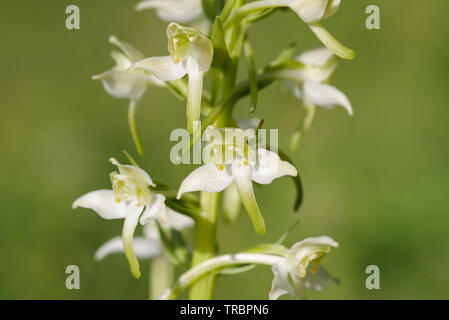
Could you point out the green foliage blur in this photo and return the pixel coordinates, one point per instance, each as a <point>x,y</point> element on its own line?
<point>378,182</point>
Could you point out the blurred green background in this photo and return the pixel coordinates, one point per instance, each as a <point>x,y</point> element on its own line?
<point>378,183</point>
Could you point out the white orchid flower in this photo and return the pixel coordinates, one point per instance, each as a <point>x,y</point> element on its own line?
<point>181,11</point>
<point>150,245</point>
<point>190,53</point>
<point>122,83</point>
<point>241,165</point>
<point>319,64</point>
<point>129,199</point>
<point>309,83</point>
<point>302,265</point>
<point>294,269</point>
<point>309,11</point>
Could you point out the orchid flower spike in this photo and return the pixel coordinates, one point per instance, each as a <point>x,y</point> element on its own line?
<point>182,11</point>
<point>150,245</point>
<point>190,53</point>
<point>122,83</point>
<point>302,265</point>
<point>311,12</point>
<point>129,199</point>
<point>309,83</point>
<point>232,160</point>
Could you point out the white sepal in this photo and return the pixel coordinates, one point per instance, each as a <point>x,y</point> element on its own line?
<point>102,202</point>
<point>144,248</point>
<point>206,178</point>
<point>161,67</point>
<point>123,84</point>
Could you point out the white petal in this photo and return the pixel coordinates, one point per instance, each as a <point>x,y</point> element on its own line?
<point>102,202</point>
<point>174,10</point>
<point>123,84</point>
<point>309,10</point>
<point>178,221</point>
<point>144,248</point>
<point>326,96</point>
<point>280,284</point>
<point>155,210</point>
<point>206,178</point>
<point>137,174</point>
<point>270,167</point>
<point>319,280</point>
<point>162,67</point>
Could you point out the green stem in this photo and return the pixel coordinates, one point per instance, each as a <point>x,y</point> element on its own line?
<point>133,126</point>
<point>205,244</point>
